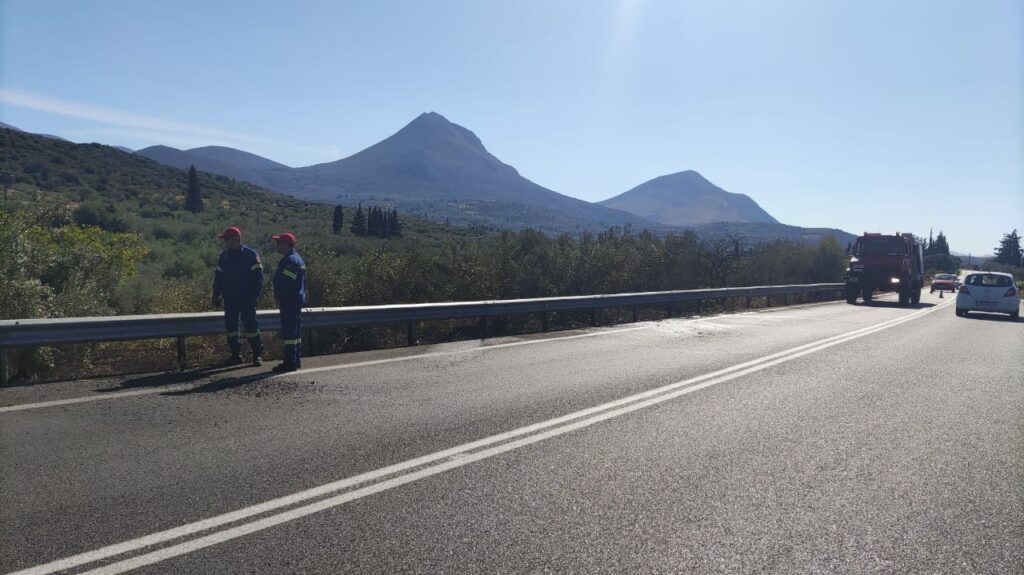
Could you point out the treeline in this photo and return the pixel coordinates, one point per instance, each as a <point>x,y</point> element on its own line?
<point>528,264</point>
<point>376,222</point>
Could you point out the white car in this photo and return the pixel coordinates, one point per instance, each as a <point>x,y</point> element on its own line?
<point>988,291</point>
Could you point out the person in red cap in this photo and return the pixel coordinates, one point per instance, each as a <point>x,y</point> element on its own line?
<point>239,280</point>
<point>290,293</point>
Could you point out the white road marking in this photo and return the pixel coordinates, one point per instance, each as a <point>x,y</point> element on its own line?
<point>427,465</point>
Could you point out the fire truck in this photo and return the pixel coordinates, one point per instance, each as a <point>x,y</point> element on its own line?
<point>885,263</point>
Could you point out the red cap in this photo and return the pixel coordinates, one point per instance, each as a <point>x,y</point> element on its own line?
<point>231,233</point>
<point>287,236</point>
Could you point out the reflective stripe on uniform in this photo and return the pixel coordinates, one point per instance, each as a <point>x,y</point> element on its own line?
<point>290,274</point>
<point>255,267</point>
<point>250,334</point>
<point>293,341</point>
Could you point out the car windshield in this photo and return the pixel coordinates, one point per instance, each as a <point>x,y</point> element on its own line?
<point>945,277</point>
<point>988,280</point>
<point>881,247</point>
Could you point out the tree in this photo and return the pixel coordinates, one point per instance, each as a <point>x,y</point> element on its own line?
<point>339,219</point>
<point>941,246</point>
<point>394,228</point>
<point>359,222</point>
<point>194,197</point>
<point>1009,250</point>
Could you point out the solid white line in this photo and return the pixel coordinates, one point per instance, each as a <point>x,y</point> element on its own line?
<point>631,403</point>
<point>177,387</point>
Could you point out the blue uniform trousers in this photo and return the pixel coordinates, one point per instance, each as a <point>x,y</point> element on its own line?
<point>291,334</point>
<point>235,308</point>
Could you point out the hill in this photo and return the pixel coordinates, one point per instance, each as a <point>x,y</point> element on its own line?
<point>216,160</point>
<point>118,191</point>
<point>686,199</point>
<point>442,170</point>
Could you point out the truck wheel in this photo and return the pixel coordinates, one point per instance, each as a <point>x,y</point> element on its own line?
<point>915,296</point>
<point>851,295</point>
<point>904,296</point>
<point>866,294</point>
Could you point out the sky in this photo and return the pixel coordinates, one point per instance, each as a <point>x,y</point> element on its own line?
<point>865,116</point>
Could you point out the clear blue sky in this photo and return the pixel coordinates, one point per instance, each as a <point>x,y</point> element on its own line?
<point>866,116</point>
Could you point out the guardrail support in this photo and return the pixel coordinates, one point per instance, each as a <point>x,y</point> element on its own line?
<point>182,352</point>
<point>483,327</point>
<point>411,333</point>
<point>3,366</point>
<point>593,316</point>
<point>545,321</point>
<point>636,313</point>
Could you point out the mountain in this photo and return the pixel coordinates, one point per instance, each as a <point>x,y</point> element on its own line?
<point>442,170</point>
<point>687,199</point>
<point>217,160</point>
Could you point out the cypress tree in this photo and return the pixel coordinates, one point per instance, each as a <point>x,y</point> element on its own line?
<point>395,228</point>
<point>194,196</point>
<point>359,222</point>
<point>339,219</point>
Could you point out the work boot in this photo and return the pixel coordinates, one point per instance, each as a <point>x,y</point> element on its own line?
<point>233,360</point>
<point>257,360</point>
<point>284,368</point>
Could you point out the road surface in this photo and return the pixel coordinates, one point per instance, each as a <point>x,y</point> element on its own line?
<point>825,438</point>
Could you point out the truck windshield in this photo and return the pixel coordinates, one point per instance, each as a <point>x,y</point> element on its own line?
<point>880,247</point>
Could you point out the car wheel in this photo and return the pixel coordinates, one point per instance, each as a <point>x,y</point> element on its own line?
<point>933,290</point>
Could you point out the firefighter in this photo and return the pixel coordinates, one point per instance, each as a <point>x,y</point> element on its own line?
<point>239,280</point>
<point>290,293</point>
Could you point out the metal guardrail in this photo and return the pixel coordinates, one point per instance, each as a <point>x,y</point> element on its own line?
<point>40,332</point>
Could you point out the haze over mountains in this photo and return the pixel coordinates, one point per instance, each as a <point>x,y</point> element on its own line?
<point>440,170</point>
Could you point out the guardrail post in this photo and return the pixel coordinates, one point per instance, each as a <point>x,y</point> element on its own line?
<point>483,327</point>
<point>3,366</point>
<point>545,323</point>
<point>310,341</point>
<point>182,352</point>
<point>748,302</point>
<point>636,313</point>
<point>700,307</point>
<point>593,316</point>
<point>411,333</point>
<point>668,309</point>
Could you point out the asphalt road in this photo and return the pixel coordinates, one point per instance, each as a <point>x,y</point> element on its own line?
<point>819,439</point>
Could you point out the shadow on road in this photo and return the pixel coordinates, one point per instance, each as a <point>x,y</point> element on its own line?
<point>222,384</point>
<point>984,316</point>
<point>896,304</point>
<point>170,378</point>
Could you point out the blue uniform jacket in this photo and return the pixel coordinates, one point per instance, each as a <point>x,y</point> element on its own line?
<point>239,275</point>
<point>290,281</point>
